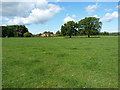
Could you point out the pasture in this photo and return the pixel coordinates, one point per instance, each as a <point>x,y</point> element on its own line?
<point>58,62</point>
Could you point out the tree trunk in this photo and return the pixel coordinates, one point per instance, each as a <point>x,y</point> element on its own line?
<point>70,36</point>
<point>88,35</point>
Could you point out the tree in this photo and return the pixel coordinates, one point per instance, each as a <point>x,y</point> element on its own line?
<point>58,33</point>
<point>22,29</point>
<point>48,32</point>
<point>64,29</point>
<point>27,34</point>
<point>69,29</point>
<point>7,31</point>
<point>45,32</point>
<point>14,30</point>
<point>90,25</point>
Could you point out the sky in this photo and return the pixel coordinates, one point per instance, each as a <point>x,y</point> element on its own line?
<point>40,16</point>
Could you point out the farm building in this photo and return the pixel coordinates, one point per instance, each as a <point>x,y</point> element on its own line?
<point>47,35</point>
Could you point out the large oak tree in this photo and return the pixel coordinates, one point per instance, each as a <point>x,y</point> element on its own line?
<point>90,25</point>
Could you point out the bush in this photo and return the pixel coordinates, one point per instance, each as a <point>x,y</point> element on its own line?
<point>27,34</point>
<point>58,33</point>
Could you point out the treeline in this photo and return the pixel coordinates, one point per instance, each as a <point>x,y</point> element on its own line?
<point>58,33</point>
<point>15,31</point>
<point>87,26</point>
<point>110,34</point>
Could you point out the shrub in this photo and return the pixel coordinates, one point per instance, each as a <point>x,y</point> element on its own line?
<point>27,34</point>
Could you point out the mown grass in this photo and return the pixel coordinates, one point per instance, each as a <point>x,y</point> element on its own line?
<point>60,62</point>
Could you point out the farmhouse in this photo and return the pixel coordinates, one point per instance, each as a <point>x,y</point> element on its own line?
<point>52,35</point>
<point>44,35</point>
<point>47,35</point>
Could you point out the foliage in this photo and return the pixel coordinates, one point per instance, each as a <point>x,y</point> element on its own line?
<point>114,34</point>
<point>27,34</point>
<point>36,35</point>
<point>110,34</point>
<point>89,26</point>
<point>69,29</point>
<point>48,32</point>
<point>104,33</point>
<point>13,30</point>
<point>58,33</point>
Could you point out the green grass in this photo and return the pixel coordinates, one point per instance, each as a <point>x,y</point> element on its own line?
<point>60,62</point>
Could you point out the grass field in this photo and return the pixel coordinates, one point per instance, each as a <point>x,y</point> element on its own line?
<point>60,62</point>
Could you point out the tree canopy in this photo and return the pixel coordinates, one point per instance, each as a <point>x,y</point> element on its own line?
<point>48,32</point>
<point>13,30</point>
<point>87,26</point>
<point>69,29</point>
<point>58,33</point>
<point>90,26</point>
<point>27,34</point>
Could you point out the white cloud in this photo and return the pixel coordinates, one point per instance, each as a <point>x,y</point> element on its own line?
<point>57,1</point>
<point>96,16</point>
<point>16,8</point>
<point>68,18</point>
<point>108,9</point>
<point>41,4</point>
<point>37,12</point>
<point>46,25</point>
<point>5,18</point>
<point>91,8</point>
<point>74,16</point>
<point>110,16</point>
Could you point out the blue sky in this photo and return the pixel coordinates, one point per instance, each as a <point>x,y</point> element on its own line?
<point>66,11</point>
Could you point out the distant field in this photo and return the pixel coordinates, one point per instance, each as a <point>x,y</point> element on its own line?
<point>60,62</point>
